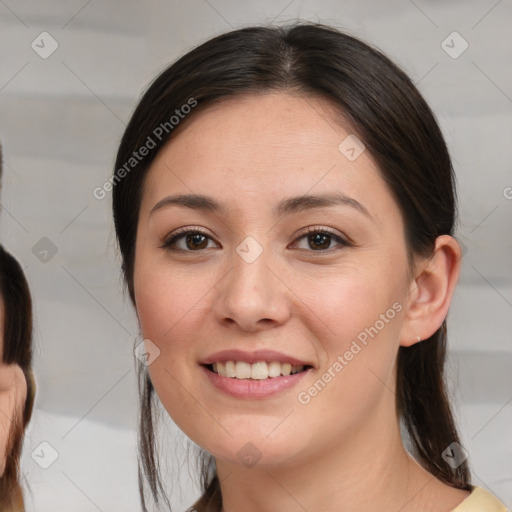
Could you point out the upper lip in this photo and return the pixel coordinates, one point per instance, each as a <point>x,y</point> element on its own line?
<point>253,357</point>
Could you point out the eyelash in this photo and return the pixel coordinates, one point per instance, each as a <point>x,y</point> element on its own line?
<point>168,244</point>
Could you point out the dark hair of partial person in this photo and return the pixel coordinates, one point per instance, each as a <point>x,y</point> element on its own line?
<point>17,349</point>
<point>388,114</point>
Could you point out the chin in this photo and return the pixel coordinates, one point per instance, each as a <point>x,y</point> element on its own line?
<point>258,445</point>
<point>254,454</point>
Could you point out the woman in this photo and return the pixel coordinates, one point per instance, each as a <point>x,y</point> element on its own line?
<point>284,204</point>
<point>17,386</point>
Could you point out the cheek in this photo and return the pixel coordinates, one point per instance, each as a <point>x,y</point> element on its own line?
<point>171,307</point>
<point>5,425</point>
<point>355,304</point>
<point>357,319</point>
<point>166,301</point>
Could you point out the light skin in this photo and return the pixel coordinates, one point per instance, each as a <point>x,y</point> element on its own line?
<point>13,392</point>
<point>342,451</point>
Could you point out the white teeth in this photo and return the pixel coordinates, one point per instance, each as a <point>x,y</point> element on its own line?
<point>221,369</point>
<point>286,369</point>
<point>274,369</point>
<point>257,371</point>
<point>230,369</point>
<point>243,370</point>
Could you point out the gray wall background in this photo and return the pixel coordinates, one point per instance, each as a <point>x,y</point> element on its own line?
<point>61,118</point>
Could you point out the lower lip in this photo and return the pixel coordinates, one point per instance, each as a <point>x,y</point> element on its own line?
<point>253,388</point>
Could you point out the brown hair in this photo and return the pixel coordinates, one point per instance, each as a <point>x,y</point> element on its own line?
<point>388,114</point>
<point>17,349</point>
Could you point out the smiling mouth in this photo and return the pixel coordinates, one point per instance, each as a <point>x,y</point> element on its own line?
<point>260,370</point>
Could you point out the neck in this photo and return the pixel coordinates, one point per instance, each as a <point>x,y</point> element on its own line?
<point>370,467</point>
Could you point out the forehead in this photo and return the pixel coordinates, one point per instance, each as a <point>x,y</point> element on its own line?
<point>259,127</point>
<point>263,147</point>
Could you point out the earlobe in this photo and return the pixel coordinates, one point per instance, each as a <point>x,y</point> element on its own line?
<point>431,291</point>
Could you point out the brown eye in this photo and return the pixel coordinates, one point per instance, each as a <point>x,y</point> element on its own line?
<point>320,240</point>
<point>188,241</point>
<point>196,241</point>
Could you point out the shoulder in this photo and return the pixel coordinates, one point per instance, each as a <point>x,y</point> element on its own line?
<point>481,500</point>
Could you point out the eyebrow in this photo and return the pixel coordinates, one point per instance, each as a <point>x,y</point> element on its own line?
<point>285,207</point>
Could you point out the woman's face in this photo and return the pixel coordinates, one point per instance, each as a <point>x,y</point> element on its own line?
<point>254,287</point>
<point>13,392</point>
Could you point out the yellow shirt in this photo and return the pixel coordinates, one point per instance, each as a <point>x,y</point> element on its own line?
<point>481,500</point>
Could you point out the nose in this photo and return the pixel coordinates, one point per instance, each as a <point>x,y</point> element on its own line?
<point>252,295</point>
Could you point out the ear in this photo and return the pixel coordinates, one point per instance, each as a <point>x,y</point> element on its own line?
<point>431,291</point>
<point>13,394</point>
